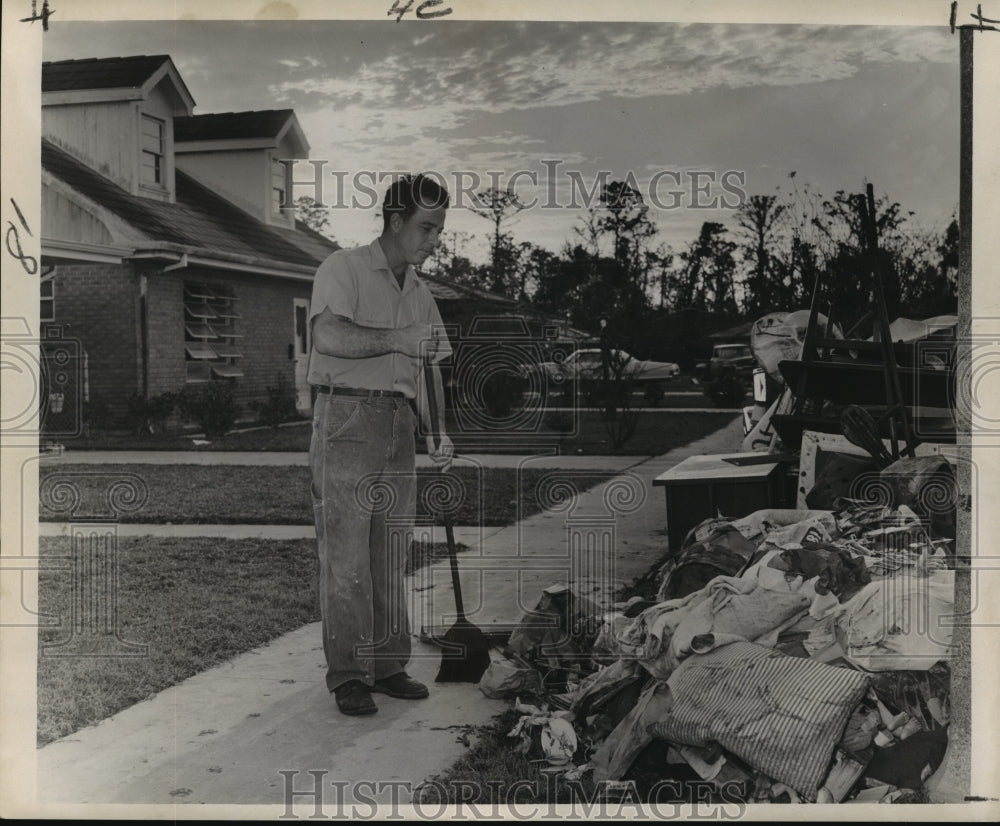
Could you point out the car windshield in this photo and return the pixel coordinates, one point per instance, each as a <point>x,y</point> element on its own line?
<point>732,352</point>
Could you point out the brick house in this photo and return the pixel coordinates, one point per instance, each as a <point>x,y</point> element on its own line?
<point>165,252</point>
<point>167,259</point>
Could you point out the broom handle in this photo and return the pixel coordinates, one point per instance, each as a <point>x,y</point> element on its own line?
<point>453,560</point>
<point>449,531</point>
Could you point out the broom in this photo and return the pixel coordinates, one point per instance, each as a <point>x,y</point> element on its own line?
<point>466,649</point>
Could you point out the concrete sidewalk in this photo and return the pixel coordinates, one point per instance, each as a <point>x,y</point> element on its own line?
<point>471,535</point>
<point>280,459</point>
<point>223,736</point>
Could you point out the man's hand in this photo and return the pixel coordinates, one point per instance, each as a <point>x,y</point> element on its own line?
<point>417,340</point>
<point>442,453</point>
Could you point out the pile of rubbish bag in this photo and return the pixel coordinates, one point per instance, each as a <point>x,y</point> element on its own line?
<point>792,655</point>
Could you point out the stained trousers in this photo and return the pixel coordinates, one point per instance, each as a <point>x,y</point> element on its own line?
<point>364,495</point>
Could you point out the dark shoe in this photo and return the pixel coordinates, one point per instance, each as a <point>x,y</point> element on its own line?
<point>353,698</point>
<point>401,685</point>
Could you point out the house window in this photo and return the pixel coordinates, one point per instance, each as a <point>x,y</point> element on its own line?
<point>211,339</point>
<point>277,185</point>
<point>152,151</point>
<point>47,307</point>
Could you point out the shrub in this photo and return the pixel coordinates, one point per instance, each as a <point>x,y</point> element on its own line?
<point>212,406</point>
<point>148,415</point>
<point>97,413</point>
<point>280,405</point>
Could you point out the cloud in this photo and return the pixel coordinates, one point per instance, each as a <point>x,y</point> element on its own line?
<point>519,66</point>
<point>498,95</point>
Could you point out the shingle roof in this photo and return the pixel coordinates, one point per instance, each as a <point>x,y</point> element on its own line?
<point>442,288</point>
<point>266,123</point>
<point>304,236</point>
<point>199,219</point>
<point>100,72</point>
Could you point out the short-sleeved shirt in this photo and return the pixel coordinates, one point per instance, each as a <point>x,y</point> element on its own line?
<point>358,285</point>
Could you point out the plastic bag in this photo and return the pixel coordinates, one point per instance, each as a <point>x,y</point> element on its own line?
<point>506,678</point>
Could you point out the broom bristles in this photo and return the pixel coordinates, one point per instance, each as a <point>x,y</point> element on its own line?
<point>469,664</point>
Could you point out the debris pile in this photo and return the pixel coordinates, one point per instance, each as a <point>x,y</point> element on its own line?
<point>790,655</point>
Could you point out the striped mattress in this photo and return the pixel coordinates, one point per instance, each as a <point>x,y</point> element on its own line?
<point>782,715</point>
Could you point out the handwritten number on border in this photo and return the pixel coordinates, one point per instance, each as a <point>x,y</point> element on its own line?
<point>400,8</point>
<point>44,16</point>
<point>13,241</point>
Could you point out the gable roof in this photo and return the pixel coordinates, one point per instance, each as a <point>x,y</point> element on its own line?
<point>200,220</point>
<point>138,72</point>
<point>100,72</point>
<point>267,123</point>
<point>235,130</point>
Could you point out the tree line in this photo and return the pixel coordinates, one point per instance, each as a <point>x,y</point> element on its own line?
<point>768,259</point>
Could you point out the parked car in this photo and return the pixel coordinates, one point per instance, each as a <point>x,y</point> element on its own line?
<point>728,375</point>
<point>583,370</point>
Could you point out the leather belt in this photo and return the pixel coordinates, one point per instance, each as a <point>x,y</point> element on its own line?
<point>358,391</point>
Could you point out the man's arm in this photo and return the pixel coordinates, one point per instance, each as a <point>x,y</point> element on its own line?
<point>436,429</point>
<point>439,444</point>
<point>335,335</point>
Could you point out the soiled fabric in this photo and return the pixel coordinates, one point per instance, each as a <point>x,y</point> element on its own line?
<point>649,635</point>
<point>782,715</point>
<point>900,623</point>
<point>770,521</point>
<point>725,552</point>
<point>838,571</point>
<point>607,647</point>
<point>727,613</point>
<point>725,610</point>
<point>561,629</point>
<point>599,687</point>
<point>816,528</point>
<point>614,756</point>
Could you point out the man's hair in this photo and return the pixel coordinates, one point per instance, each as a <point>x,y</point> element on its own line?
<point>409,192</point>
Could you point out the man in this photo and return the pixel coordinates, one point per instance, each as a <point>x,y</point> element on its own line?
<point>374,325</point>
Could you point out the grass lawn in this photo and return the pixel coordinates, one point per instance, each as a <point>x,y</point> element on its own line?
<point>232,494</point>
<point>657,431</point>
<point>194,602</point>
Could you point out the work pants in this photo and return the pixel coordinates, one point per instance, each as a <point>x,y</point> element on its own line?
<point>364,493</point>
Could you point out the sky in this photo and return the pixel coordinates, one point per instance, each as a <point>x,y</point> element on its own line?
<point>694,114</point>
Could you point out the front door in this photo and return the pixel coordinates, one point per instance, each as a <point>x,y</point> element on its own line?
<point>303,400</point>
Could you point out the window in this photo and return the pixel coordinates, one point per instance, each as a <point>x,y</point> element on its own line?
<point>151,171</point>
<point>211,340</point>
<point>277,185</point>
<point>47,307</point>
<point>733,352</point>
